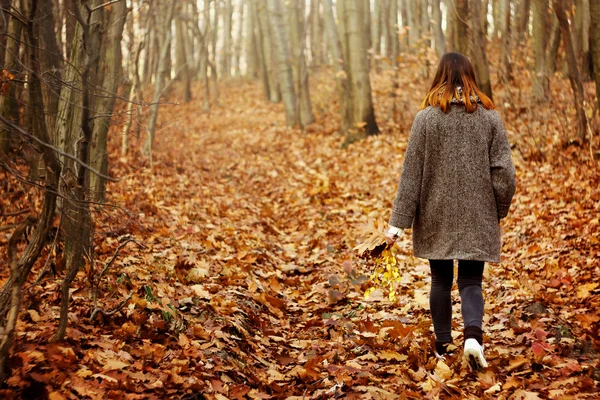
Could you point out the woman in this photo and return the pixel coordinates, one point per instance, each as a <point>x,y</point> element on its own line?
<point>457,182</point>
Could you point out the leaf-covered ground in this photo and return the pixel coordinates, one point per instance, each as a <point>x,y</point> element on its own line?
<point>244,282</point>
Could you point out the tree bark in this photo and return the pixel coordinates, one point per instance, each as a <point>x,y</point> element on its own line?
<point>227,42</point>
<point>438,33</point>
<point>240,40</point>
<point>478,51</point>
<point>461,27</point>
<point>283,62</point>
<point>522,20</point>
<point>582,36</point>
<point>505,56</point>
<point>4,18</point>
<point>252,57</point>
<point>341,78</point>
<point>574,76</point>
<point>51,61</point>
<point>553,45</point>
<point>425,22</point>
<point>11,289</point>
<point>266,36</point>
<point>357,69</point>
<point>393,48</point>
<point>183,58</point>
<point>541,83</point>
<point>160,77</point>
<point>375,34</point>
<point>9,107</point>
<point>595,44</point>
<point>316,36</point>
<point>111,66</point>
<point>204,56</point>
<point>297,25</point>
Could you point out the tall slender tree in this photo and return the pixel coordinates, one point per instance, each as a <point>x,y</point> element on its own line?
<point>541,84</point>
<point>574,75</point>
<point>110,66</point>
<point>595,44</point>
<point>283,61</point>
<point>354,43</point>
<point>438,32</point>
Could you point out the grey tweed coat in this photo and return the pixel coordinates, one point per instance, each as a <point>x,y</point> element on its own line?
<point>457,182</point>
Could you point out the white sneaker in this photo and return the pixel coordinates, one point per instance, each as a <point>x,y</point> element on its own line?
<point>473,354</point>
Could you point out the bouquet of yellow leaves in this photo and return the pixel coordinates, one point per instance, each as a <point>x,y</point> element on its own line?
<point>386,275</point>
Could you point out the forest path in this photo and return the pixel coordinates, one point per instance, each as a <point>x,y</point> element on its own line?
<point>248,286</point>
<point>266,218</point>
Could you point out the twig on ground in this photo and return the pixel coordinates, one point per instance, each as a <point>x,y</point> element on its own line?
<point>96,284</point>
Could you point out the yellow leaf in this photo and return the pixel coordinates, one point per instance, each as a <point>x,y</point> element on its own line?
<point>584,290</point>
<point>443,371</point>
<point>391,355</point>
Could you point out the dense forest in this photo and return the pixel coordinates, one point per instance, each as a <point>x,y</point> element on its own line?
<point>185,185</point>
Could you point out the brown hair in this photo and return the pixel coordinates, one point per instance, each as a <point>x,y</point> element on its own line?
<point>454,71</point>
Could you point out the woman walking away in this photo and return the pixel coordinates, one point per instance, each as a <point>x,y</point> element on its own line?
<point>457,182</point>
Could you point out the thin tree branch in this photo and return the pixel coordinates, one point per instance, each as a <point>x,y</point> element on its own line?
<point>56,149</point>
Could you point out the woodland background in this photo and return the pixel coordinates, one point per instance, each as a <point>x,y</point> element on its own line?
<point>186,186</point>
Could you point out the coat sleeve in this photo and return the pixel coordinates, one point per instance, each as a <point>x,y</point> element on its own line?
<point>502,168</point>
<point>409,188</point>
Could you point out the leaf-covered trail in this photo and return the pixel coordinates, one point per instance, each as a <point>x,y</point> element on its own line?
<point>270,216</point>
<point>249,287</point>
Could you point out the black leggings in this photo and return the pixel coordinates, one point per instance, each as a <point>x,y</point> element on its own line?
<point>470,275</point>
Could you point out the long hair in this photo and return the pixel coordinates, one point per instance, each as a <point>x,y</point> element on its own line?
<point>455,78</point>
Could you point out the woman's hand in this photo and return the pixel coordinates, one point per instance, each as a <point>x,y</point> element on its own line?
<point>392,235</point>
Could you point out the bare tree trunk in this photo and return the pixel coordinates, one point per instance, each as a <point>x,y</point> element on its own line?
<point>9,108</point>
<point>297,29</point>
<point>363,123</point>
<point>385,27</point>
<point>375,34</point>
<point>522,20</point>
<point>451,25</point>
<point>4,18</point>
<point>182,59</point>
<point>78,226</point>
<point>227,43</point>
<point>574,76</point>
<point>204,57</point>
<point>411,15</point>
<point>134,96</point>
<point>461,26</point>
<point>425,22</point>
<point>283,61</point>
<point>10,293</point>
<point>541,83</point>
<point>553,45</point>
<point>251,45</point>
<point>158,84</point>
<point>266,36</point>
<point>595,44</point>
<point>111,66</point>
<point>240,40</point>
<point>484,17</point>
<point>316,37</point>
<point>51,61</point>
<point>478,51</point>
<point>262,68</point>
<point>497,17</point>
<point>341,78</point>
<point>582,35</point>
<point>505,57</point>
<point>438,33</point>
<point>393,28</point>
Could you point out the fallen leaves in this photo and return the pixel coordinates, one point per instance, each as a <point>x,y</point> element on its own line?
<point>249,286</point>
